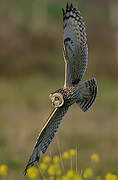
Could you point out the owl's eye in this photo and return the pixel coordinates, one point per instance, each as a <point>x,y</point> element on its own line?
<point>56,98</point>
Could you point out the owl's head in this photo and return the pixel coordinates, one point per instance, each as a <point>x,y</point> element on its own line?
<point>57,99</point>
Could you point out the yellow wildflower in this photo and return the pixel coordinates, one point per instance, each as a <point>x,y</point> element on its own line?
<point>3,170</point>
<point>72,152</point>
<point>110,176</point>
<point>46,159</point>
<point>51,170</point>
<point>64,178</point>
<point>32,172</point>
<point>95,157</point>
<point>43,166</point>
<point>65,155</point>
<point>58,172</point>
<point>56,159</point>
<point>114,177</point>
<point>70,173</point>
<point>88,173</point>
<point>54,169</point>
<point>77,177</point>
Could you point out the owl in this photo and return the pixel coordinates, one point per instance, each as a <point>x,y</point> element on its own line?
<point>75,52</point>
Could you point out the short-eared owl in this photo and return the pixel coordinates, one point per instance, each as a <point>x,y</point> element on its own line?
<point>75,53</point>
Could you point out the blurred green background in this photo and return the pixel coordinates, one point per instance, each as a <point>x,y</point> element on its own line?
<point>31,67</point>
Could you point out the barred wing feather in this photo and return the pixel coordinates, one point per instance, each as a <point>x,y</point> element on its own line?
<point>75,46</point>
<point>47,134</point>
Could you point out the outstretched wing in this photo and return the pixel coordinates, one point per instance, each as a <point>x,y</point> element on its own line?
<point>47,134</point>
<point>75,46</point>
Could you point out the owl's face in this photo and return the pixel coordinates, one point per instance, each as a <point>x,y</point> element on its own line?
<point>57,99</point>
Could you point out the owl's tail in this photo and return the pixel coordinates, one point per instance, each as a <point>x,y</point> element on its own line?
<point>90,90</point>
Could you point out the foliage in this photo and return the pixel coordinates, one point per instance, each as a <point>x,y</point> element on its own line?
<point>54,169</point>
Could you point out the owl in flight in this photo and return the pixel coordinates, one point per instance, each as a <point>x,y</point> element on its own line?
<point>75,52</point>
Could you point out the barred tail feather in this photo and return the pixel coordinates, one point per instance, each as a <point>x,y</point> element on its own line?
<point>90,95</point>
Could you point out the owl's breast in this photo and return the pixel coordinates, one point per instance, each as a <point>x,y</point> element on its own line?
<point>68,95</point>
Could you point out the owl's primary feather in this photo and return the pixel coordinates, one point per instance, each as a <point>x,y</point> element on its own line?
<point>47,134</point>
<point>75,46</point>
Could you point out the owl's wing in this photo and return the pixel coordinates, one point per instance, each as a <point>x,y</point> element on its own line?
<point>75,49</point>
<point>47,134</point>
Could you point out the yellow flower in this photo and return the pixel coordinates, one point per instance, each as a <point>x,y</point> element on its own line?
<point>114,177</point>
<point>3,170</point>
<point>43,166</point>
<point>65,155</point>
<point>72,152</point>
<point>88,173</point>
<point>110,176</point>
<point>51,170</point>
<point>32,172</point>
<point>56,159</point>
<point>95,157</point>
<point>70,173</point>
<point>64,178</point>
<point>58,172</point>
<point>54,169</point>
<point>77,177</point>
<point>46,159</point>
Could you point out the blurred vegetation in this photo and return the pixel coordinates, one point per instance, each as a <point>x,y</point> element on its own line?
<point>31,66</point>
<point>31,37</point>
